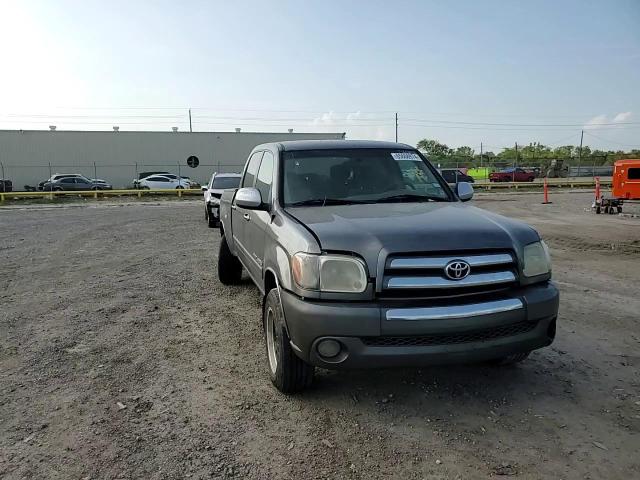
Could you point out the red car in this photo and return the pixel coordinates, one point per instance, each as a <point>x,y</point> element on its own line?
<point>512,175</point>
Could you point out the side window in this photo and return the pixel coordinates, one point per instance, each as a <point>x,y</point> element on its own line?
<point>252,169</point>
<point>265,177</point>
<point>67,180</point>
<point>634,174</point>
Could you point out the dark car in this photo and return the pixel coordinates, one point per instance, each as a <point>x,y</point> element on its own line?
<point>512,175</point>
<point>6,185</point>
<point>453,175</point>
<point>71,184</point>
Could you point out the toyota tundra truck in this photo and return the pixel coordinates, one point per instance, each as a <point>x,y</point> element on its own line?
<point>366,258</point>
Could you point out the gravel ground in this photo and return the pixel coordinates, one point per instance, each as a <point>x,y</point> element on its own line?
<point>123,357</point>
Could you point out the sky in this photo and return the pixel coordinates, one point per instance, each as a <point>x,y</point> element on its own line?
<point>462,72</point>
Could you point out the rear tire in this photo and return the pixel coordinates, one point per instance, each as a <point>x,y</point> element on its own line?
<point>510,359</point>
<point>229,267</point>
<point>288,372</point>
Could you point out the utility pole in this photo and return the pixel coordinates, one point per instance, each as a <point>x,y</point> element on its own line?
<point>396,126</point>
<point>515,165</point>
<point>580,151</point>
<point>190,127</point>
<point>480,154</point>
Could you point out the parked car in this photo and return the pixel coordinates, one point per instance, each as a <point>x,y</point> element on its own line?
<point>192,183</point>
<point>6,185</point>
<point>155,182</point>
<point>70,184</point>
<point>218,183</point>
<point>366,257</point>
<point>512,175</point>
<point>141,175</point>
<point>101,184</point>
<point>59,176</point>
<point>453,175</point>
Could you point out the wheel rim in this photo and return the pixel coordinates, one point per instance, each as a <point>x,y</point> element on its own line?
<point>272,343</point>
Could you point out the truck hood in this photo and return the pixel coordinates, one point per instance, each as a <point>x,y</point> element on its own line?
<point>371,229</point>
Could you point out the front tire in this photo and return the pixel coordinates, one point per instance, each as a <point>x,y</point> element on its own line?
<point>288,372</point>
<point>229,267</point>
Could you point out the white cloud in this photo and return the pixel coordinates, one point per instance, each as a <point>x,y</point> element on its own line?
<point>355,124</point>
<point>622,117</point>
<point>603,119</point>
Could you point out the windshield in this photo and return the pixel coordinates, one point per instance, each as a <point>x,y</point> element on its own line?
<point>222,183</point>
<point>330,177</point>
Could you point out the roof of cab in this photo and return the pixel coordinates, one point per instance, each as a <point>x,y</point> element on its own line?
<point>336,144</point>
<point>627,161</point>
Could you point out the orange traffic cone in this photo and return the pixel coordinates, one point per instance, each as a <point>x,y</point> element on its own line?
<point>546,192</point>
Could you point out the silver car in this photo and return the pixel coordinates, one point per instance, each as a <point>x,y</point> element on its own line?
<point>218,183</point>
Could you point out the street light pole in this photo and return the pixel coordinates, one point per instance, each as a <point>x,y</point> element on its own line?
<point>396,127</point>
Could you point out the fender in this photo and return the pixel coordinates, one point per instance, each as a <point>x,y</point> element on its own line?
<point>264,296</point>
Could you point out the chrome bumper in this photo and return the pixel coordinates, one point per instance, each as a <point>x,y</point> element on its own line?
<point>456,311</point>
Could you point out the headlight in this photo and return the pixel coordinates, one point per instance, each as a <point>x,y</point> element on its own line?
<point>329,273</point>
<point>536,259</point>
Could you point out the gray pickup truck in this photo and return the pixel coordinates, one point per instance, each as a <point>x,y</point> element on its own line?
<point>366,257</point>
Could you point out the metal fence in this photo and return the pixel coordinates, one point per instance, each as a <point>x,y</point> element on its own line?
<point>480,168</point>
<point>120,176</point>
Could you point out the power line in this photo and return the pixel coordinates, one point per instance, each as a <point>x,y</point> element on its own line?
<point>612,141</point>
<point>519,124</point>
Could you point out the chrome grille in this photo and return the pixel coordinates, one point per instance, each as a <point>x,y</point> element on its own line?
<point>416,276</point>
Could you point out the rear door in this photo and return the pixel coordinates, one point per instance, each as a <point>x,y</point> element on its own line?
<point>240,216</point>
<point>259,219</point>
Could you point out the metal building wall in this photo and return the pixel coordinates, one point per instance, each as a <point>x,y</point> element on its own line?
<point>29,157</point>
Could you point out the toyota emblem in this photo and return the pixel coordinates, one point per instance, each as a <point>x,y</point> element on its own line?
<point>457,269</point>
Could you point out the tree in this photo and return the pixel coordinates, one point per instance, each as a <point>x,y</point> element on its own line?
<point>464,151</point>
<point>433,148</point>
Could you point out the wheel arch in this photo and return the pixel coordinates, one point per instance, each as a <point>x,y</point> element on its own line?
<point>270,282</point>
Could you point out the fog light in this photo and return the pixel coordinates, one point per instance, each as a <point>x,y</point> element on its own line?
<point>329,348</point>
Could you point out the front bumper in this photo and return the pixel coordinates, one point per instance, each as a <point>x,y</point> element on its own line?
<point>379,335</point>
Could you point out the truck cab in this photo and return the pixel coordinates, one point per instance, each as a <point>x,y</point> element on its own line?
<point>367,258</point>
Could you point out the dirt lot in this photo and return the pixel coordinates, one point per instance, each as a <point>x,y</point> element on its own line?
<point>122,357</point>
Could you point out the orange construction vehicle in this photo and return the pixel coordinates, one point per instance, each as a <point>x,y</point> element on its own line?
<point>625,186</point>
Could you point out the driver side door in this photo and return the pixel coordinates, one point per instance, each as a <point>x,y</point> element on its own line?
<point>241,216</point>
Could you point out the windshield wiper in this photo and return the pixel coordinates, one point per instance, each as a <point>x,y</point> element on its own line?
<point>409,197</point>
<point>325,201</point>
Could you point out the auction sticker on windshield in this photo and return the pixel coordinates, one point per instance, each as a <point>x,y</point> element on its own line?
<point>411,156</point>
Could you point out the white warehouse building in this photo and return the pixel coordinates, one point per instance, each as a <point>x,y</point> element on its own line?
<point>28,157</point>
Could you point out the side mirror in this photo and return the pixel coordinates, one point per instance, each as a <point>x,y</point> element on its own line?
<point>204,188</point>
<point>464,191</point>
<point>248,198</point>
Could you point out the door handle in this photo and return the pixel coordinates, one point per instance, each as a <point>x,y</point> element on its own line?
<point>247,217</point>
<point>233,207</point>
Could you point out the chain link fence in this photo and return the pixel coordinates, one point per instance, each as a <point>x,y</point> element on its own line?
<point>481,168</point>
<point>32,177</point>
